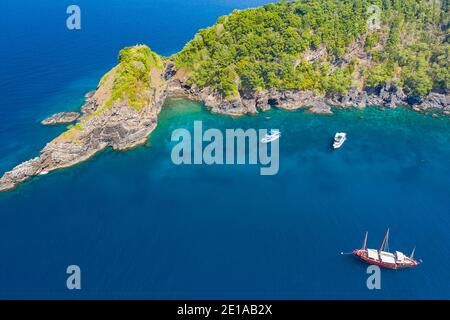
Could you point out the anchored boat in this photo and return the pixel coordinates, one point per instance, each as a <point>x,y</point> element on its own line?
<point>384,258</point>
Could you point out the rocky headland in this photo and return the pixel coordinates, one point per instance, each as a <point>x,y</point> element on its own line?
<point>109,119</point>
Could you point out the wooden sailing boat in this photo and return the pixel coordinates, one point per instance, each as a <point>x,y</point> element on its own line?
<point>384,258</point>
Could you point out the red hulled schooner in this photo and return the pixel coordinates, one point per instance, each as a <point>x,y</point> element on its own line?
<point>384,258</point>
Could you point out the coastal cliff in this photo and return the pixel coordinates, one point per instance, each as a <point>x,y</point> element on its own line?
<point>288,55</point>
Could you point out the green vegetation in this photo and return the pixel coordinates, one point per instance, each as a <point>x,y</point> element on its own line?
<point>266,47</point>
<point>132,80</point>
<point>132,76</point>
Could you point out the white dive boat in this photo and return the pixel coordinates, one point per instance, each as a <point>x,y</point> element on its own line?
<point>43,173</point>
<point>339,140</point>
<point>272,136</point>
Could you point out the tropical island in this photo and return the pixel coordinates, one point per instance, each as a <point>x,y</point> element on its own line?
<point>298,54</point>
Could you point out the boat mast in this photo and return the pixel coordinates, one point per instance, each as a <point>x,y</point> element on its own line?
<point>412,254</point>
<point>385,240</point>
<point>365,242</point>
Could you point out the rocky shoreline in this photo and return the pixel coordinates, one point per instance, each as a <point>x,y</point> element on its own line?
<point>122,127</point>
<point>253,102</point>
<point>62,118</point>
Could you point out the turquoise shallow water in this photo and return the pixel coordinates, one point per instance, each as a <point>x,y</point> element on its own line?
<point>140,227</point>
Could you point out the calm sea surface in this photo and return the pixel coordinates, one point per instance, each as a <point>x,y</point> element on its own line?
<point>141,227</point>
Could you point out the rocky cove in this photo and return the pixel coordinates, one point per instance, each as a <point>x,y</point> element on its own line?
<point>107,121</point>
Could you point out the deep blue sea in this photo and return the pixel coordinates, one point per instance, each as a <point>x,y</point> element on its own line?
<point>140,227</point>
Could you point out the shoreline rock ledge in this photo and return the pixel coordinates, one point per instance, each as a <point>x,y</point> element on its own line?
<point>61,118</point>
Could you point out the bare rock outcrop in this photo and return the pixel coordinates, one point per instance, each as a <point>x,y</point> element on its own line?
<point>61,118</point>
<point>436,101</point>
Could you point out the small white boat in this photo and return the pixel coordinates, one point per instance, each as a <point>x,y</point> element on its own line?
<point>339,140</point>
<point>272,136</point>
<point>43,173</point>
